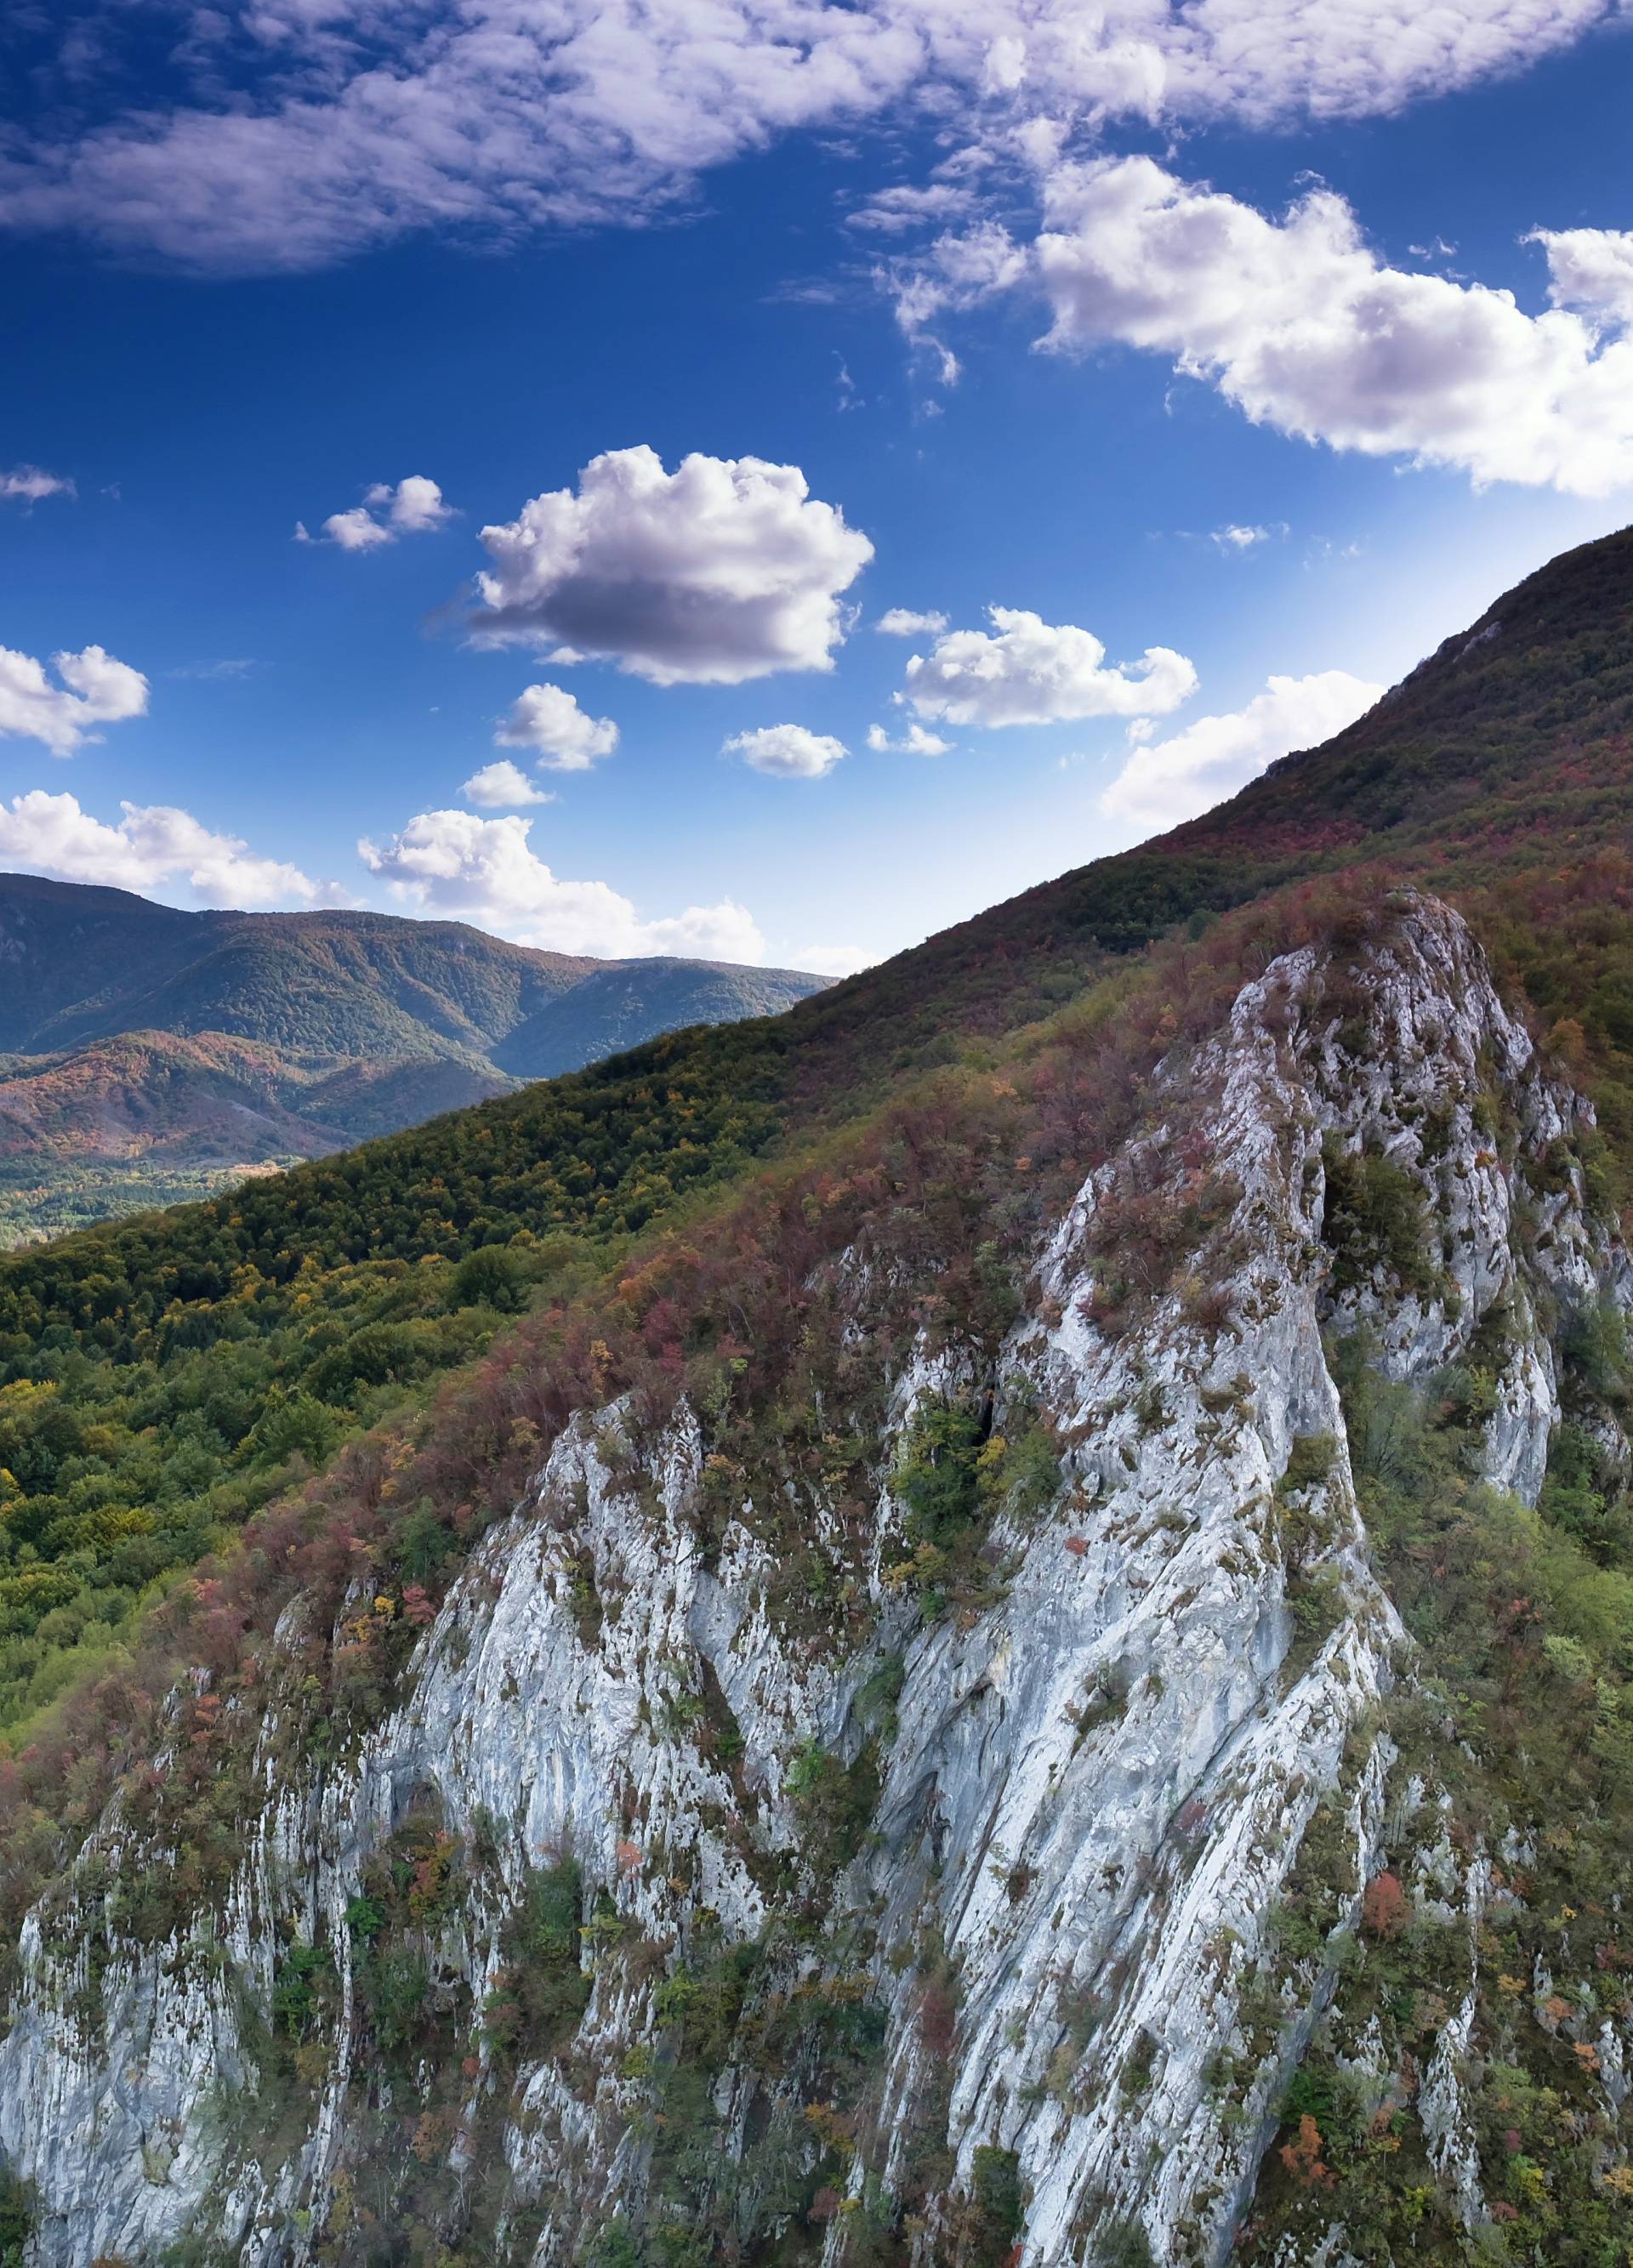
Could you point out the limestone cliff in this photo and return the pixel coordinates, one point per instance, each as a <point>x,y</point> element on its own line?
<point>966,1939</point>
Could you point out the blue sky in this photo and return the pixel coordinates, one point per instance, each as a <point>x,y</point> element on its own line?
<point>239,304</point>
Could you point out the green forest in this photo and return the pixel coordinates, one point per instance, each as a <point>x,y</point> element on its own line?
<point>165,1376</point>
<point>348,1370</point>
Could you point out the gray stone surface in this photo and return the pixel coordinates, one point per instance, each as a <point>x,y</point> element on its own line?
<point>1126,1859</point>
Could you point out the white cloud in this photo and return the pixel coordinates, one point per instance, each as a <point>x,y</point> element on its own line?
<point>725,570</point>
<point>96,689</point>
<point>152,847</point>
<point>484,871</point>
<point>324,127</point>
<point>787,751</point>
<point>1025,671</point>
<point>1167,781</point>
<point>1236,537</point>
<point>547,719</point>
<point>502,786</point>
<point>1256,59</point>
<point>1590,268</point>
<point>214,673</point>
<point>893,211</point>
<point>1303,326</point>
<point>958,271</point>
<point>915,741</point>
<point>413,507</point>
<point>832,959</point>
<point>726,931</point>
<point>28,483</point>
<point>902,621</point>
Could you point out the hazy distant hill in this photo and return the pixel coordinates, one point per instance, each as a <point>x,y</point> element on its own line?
<point>149,1052</point>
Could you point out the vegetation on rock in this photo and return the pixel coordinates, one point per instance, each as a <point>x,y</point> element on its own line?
<point>325,1387</point>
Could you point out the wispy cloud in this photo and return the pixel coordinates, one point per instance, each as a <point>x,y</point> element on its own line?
<point>32,483</point>
<point>1237,537</point>
<point>210,672</point>
<point>316,131</point>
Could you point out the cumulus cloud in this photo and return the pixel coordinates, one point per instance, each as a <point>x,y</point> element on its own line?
<point>28,483</point>
<point>1170,780</point>
<point>323,130</point>
<point>1025,671</point>
<point>485,870</point>
<point>413,507</point>
<point>915,741</point>
<point>787,751</point>
<point>902,621</point>
<point>152,847</point>
<point>1304,328</point>
<point>724,932</point>
<point>547,719</point>
<point>502,786</point>
<point>95,690</point>
<point>1590,269</point>
<point>725,570</point>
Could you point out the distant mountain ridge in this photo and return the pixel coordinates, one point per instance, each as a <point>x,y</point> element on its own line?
<point>144,1047</point>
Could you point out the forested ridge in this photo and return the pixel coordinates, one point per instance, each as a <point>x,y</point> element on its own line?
<point>363,1491</point>
<point>160,1373</point>
<point>344,1374</point>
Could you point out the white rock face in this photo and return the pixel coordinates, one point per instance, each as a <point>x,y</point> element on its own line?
<point>1098,1785</point>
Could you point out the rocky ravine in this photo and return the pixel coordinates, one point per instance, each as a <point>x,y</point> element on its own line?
<point>1089,1794</point>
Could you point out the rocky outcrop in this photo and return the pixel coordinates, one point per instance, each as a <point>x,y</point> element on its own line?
<point>1086,1797</point>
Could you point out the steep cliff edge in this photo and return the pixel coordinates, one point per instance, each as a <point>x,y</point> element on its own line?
<point>945,1811</point>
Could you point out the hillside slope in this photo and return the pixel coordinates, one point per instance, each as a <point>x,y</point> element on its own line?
<point>309,1032</point>
<point>928,1744</point>
<point>1527,737</point>
<point>1506,756</point>
<point>989,1623</point>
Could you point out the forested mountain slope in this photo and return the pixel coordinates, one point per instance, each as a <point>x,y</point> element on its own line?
<point>1504,757</point>
<point>989,1622</point>
<point>153,1051</point>
<point>1497,773</point>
